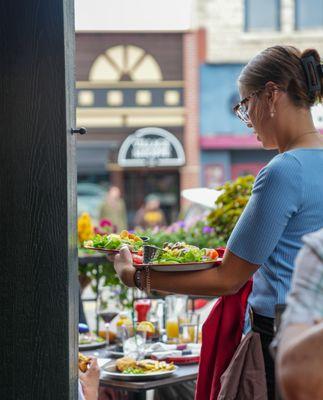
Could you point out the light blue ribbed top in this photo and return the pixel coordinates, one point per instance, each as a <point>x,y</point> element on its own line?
<point>286,203</point>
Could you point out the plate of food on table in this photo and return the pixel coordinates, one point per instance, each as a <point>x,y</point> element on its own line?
<point>129,369</point>
<point>177,257</point>
<point>90,341</point>
<point>113,242</point>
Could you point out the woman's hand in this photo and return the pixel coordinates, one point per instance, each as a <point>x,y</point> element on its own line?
<point>90,380</point>
<point>124,267</point>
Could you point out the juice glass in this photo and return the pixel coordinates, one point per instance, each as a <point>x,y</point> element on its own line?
<point>172,329</point>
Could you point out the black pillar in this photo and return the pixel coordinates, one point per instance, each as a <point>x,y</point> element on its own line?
<point>38,257</point>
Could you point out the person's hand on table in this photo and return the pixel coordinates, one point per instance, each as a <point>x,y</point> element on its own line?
<point>124,267</point>
<point>90,380</point>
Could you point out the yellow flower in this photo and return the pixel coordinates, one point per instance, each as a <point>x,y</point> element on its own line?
<point>85,227</point>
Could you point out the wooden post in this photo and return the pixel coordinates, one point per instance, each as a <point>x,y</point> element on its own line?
<point>38,258</point>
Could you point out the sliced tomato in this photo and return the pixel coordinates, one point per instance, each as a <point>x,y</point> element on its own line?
<point>140,252</point>
<point>213,254</point>
<point>137,259</point>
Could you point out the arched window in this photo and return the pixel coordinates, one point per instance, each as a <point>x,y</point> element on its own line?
<point>125,63</point>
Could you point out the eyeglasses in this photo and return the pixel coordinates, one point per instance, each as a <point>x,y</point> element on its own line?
<point>241,109</point>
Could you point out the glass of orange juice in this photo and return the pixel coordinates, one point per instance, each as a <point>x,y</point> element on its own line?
<point>172,328</point>
<point>176,305</point>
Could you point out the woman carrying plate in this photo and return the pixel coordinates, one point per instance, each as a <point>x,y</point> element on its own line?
<point>278,87</point>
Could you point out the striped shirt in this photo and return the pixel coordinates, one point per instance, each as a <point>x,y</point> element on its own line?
<point>286,203</point>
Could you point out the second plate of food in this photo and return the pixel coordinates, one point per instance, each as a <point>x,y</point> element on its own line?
<point>128,369</point>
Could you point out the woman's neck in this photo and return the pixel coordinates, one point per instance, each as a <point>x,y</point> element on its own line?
<point>299,131</point>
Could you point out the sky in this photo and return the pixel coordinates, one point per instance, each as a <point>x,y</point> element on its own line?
<point>133,15</point>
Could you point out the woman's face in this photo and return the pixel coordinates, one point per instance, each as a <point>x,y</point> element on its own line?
<point>260,120</point>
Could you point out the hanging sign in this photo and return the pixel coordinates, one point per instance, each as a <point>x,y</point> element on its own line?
<point>151,147</point>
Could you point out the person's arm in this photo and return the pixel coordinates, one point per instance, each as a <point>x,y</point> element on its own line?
<point>299,362</point>
<point>226,279</point>
<point>275,197</point>
<point>300,338</point>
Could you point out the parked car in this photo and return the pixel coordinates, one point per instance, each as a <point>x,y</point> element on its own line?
<point>89,198</point>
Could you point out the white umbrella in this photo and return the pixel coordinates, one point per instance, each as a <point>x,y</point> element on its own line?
<point>203,196</point>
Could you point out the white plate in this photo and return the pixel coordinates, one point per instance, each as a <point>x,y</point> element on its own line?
<point>204,196</point>
<point>106,251</point>
<point>193,266</point>
<point>92,345</point>
<point>110,372</point>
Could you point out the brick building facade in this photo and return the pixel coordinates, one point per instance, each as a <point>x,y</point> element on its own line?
<point>134,80</point>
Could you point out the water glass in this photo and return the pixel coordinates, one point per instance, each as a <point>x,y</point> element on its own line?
<point>133,343</point>
<point>189,328</point>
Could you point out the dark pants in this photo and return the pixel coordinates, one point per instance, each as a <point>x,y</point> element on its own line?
<point>265,327</point>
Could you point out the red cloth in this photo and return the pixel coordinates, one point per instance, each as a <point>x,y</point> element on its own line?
<point>221,335</point>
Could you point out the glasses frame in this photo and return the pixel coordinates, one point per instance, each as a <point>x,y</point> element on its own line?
<point>237,107</point>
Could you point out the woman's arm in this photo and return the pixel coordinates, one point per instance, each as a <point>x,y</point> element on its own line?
<point>225,279</point>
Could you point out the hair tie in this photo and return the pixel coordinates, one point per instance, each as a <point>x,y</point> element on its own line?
<point>313,72</point>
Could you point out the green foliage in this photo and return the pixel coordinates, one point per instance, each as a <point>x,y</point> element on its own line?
<point>230,205</point>
<point>199,234</point>
<point>107,276</point>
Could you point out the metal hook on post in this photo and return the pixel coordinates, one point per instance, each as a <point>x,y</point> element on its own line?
<point>81,131</point>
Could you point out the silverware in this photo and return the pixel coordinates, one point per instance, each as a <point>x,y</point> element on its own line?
<point>151,252</point>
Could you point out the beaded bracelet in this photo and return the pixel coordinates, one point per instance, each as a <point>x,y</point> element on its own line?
<point>142,279</point>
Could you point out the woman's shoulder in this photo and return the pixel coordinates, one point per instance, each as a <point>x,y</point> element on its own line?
<point>288,158</point>
<point>283,167</point>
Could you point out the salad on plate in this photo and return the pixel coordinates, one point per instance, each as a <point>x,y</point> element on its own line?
<point>180,253</point>
<point>114,242</point>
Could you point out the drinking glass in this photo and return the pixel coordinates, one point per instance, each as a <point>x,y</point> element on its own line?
<point>142,306</point>
<point>189,328</point>
<point>175,306</point>
<point>106,306</point>
<point>133,343</point>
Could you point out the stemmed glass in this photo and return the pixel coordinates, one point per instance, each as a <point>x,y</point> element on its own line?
<point>106,306</point>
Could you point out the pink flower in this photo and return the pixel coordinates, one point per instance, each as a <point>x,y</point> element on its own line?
<point>105,222</point>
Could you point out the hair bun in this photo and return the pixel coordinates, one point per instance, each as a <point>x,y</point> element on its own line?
<point>311,52</point>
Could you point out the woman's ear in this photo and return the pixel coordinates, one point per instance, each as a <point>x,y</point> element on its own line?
<point>272,95</point>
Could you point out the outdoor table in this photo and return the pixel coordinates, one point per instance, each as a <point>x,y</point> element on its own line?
<point>137,390</point>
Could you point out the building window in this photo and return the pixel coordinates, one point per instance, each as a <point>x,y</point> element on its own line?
<point>308,14</point>
<point>114,98</point>
<point>262,15</point>
<point>143,97</point>
<point>85,98</point>
<point>171,98</point>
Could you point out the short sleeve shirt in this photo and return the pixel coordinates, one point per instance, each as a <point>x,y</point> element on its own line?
<point>286,203</point>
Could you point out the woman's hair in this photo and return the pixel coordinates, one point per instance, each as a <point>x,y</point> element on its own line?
<point>283,65</point>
